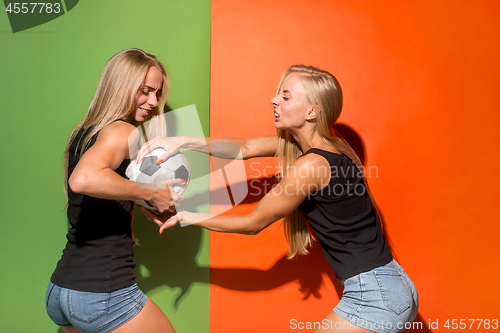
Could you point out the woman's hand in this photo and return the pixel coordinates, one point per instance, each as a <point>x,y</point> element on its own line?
<point>172,145</point>
<point>167,220</point>
<point>164,220</point>
<point>164,197</point>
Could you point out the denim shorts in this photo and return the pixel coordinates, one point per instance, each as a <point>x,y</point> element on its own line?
<point>93,312</point>
<point>383,300</point>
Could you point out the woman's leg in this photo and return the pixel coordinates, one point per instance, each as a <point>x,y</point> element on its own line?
<point>149,319</point>
<point>334,323</point>
<point>70,329</point>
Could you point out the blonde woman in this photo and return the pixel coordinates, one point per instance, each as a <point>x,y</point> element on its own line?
<point>321,183</point>
<point>93,286</point>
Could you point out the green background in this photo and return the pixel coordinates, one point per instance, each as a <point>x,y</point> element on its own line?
<point>48,77</point>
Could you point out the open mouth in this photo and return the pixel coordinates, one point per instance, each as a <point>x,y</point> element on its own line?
<point>144,112</point>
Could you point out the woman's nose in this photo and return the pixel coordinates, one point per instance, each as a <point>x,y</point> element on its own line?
<point>274,101</point>
<point>153,100</point>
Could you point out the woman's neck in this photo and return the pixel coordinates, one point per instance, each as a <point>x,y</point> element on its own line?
<point>308,138</point>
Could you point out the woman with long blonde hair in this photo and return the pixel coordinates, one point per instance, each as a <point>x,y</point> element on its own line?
<point>321,182</point>
<point>93,287</point>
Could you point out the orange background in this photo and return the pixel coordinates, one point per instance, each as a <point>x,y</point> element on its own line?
<point>421,102</point>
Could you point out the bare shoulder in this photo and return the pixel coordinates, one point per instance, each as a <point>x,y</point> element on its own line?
<point>116,136</point>
<point>313,167</point>
<point>311,161</point>
<point>118,129</point>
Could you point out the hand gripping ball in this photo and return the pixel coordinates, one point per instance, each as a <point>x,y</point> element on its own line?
<point>147,171</point>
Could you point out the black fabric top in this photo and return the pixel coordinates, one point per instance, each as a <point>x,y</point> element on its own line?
<point>98,256</point>
<point>342,215</point>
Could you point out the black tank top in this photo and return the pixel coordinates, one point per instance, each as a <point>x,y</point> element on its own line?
<point>98,256</point>
<point>343,218</point>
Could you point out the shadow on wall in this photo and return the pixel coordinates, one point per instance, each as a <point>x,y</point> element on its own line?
<point>356,143</point>
<point>170,260</point>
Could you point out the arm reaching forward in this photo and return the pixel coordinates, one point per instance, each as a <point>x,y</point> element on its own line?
<point>307,175</point>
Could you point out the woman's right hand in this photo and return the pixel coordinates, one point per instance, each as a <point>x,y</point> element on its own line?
<point>172,145</point>
<point>164,220</point>
<point>165,199</point>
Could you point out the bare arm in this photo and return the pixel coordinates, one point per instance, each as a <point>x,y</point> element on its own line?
<point>94,174</point>
<point>308,174</point>
<point>231,148</point>
<point>255,147</point>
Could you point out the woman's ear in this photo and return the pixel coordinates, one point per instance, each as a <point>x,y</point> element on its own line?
<point>312,112</point>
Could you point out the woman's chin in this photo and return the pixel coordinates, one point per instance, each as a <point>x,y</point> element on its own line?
<point>139,119</point>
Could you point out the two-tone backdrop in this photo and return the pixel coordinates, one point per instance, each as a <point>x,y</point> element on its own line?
<point>421,81</point>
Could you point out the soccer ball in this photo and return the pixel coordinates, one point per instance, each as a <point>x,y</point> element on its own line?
<point>147,171</point>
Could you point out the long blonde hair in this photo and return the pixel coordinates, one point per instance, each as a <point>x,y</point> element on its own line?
<point>321,89</point>
<point>114,98</point>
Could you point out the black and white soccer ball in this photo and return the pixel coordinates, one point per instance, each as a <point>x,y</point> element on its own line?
<point>147,171</point>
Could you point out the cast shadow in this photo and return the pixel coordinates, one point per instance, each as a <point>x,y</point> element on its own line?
<point>306,271</point>
<point>170,259</point>
<point>357,144</point>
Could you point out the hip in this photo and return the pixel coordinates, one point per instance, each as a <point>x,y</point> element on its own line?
<point>383,299</point>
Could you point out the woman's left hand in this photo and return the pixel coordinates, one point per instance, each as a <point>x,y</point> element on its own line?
<point>171,145</point>
<point>164,220</point>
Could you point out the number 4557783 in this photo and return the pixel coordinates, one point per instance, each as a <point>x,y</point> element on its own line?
<point>463,324</point>
<point>24,8</point>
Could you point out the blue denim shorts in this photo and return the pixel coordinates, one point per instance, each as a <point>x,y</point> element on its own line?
<point>93,312</point>
<point>383,300</point>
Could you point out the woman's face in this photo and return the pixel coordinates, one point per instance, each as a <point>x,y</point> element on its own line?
<point>290,106</point>
<point>147,96</point>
